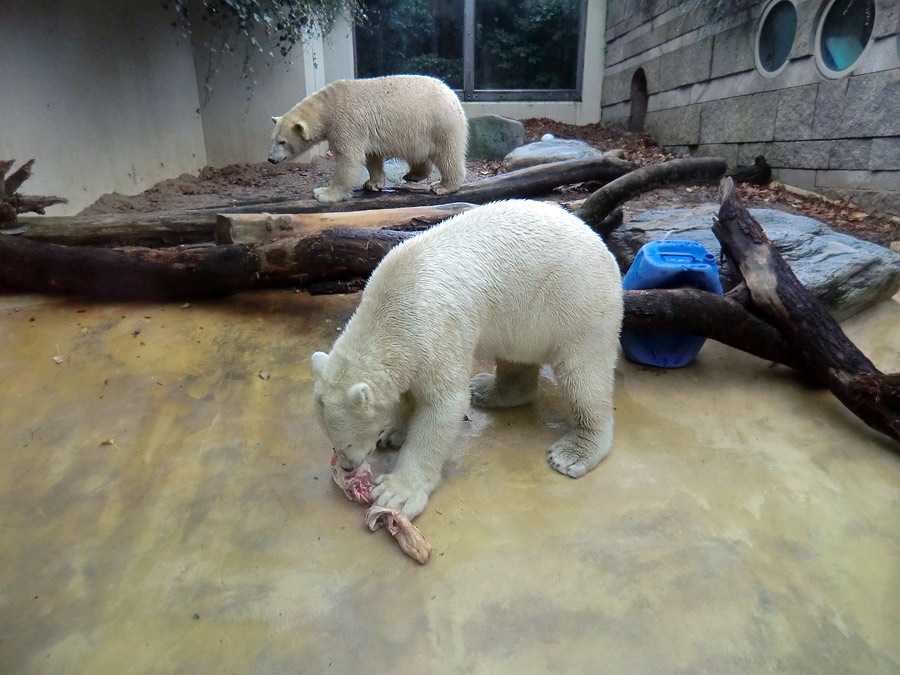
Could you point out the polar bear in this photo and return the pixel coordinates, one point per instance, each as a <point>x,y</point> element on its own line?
<point>412,117</point>
<point>519,281</point>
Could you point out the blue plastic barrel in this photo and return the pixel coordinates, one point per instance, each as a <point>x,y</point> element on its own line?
<point>668,264</point>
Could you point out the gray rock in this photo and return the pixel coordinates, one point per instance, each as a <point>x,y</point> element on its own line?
<point>847,274</point>
<point>545,152</point>
<point>494,137</point>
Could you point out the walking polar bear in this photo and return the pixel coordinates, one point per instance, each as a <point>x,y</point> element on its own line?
<point>519,281</point>
<point>411,117</point>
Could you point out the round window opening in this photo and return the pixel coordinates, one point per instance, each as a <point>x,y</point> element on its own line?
<point>843,33</point>
<point>776,36</point>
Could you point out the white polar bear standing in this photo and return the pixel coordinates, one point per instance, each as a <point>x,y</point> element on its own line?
<point>411,117</point>
<point>520,281</point>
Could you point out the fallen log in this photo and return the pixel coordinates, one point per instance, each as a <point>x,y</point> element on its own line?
<point>717,317</point>
<point>336,260</point>
<point>260,228</point>
<point>122,229</point>
<point>529,182</point>
<point>188,272</point>
<point>169,228</point>
<point>602,202</point>
<point>817,339</point>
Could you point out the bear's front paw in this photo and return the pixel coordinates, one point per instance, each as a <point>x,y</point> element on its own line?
<point>400,492</point>
<point>392,436</point>
<point>578,452</point>
<point>329,195</point>
<point>373,185</point>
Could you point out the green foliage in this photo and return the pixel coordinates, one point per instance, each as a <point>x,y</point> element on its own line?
<point>267,27</point>
<point>284,22</point>
<point>526,44</point>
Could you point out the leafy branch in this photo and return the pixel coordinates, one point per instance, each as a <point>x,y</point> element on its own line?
<point>268,27</point>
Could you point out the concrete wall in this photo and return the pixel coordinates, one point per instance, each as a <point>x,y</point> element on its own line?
<point>237,110</point>
<point>103,96</point>
<point>706,97</point>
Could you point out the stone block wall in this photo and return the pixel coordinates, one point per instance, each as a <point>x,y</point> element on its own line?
<point>840,137</point>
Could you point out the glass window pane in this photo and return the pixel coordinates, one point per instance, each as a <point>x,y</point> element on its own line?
<point>776,38</point>
<point>422,37</point>
<point>527,44</point>
<point>846,30</point>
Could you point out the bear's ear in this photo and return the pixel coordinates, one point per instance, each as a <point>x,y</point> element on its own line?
<point>319,361</point>
<point>302,130</point>
<point>275,120</point>
<point>361,394</point>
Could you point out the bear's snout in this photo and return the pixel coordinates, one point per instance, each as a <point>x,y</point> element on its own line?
<point>272,160</point>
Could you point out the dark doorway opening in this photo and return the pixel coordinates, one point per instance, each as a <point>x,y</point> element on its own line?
<point>638,101</point>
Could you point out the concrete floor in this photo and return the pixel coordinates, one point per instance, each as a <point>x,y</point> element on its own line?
<point>163,509</point>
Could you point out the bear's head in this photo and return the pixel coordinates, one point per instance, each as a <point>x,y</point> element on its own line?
<point>349,411</point>
<point>291,137</point>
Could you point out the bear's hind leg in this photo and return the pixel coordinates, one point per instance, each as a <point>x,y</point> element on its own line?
<point>375,167</point>
<point>587,383</point>
<point>418,171</point>
<point>452,165</point>
<point>514,384</point>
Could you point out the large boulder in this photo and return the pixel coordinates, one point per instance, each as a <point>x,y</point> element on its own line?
<point>494,137</point>
<point>847,274</point>
<point>547,151</point>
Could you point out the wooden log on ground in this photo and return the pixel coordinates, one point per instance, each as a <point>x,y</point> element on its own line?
<point>604,201</point>
<point>122,229</point>
<point>336,260</point>
<point>717,317</point>
<point>816,338</point>
<point>261,228</point>
<point>532,181</point>
<point>170,228</point>
<point>181,273</point>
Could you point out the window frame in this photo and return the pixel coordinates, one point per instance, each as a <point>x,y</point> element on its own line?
<point>469,94</point>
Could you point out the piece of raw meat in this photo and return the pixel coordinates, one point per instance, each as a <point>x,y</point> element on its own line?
<point>398,524</point>
<point>357,485</point>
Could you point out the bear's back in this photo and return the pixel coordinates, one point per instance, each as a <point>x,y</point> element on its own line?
<point>413,97</point>
<point>507,254</point>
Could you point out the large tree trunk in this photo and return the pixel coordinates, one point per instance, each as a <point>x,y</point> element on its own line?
<point>260,228</point>
<point>192,227</point>
<point>122,229</point>
<point>816,338</point>
<point>181,273</point>
<point>336,260</point>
